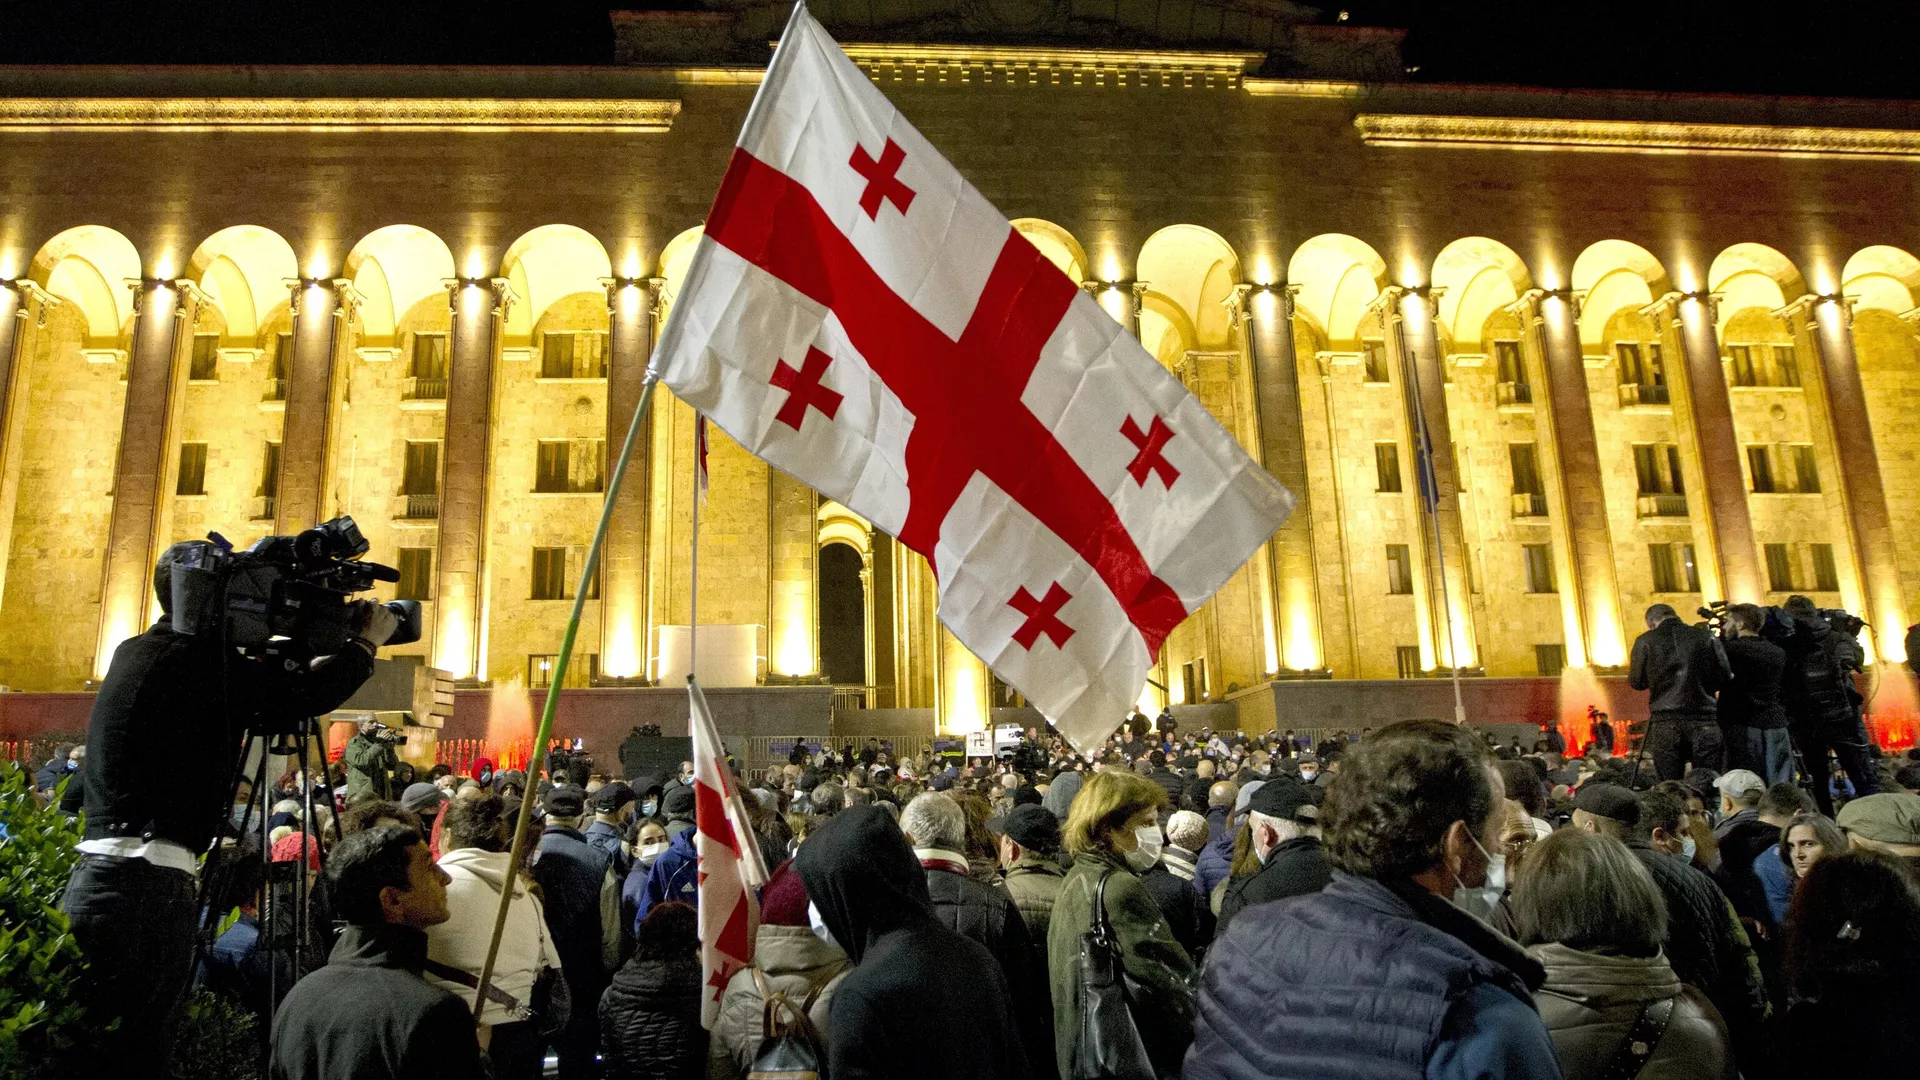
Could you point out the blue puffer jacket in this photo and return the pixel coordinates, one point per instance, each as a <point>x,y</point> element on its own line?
<point>1216,859</point>
<point>1368,982</point>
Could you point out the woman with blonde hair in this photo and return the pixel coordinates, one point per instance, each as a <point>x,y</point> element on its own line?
<point>1113,833</point>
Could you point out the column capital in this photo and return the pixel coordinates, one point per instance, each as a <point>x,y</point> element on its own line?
<point>655,286</point>
<point>1243,294</point>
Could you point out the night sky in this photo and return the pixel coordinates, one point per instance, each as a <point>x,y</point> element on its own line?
<point>1857,48</point>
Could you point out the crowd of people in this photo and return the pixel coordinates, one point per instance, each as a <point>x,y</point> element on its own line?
<point>1418,901</point>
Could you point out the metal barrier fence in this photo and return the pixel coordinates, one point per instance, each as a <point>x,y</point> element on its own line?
<point>762,752</point>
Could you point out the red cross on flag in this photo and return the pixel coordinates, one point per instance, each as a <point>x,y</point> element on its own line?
<point>731,871</point>
<point>858,315</point>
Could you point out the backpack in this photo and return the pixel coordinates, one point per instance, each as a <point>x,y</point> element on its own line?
<point>790,1046</point>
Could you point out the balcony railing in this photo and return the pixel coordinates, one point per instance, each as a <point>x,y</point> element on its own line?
<point>276,390</point>
<point>1632,394</point>
<point>420,388</point>
<point>1514,393</point>
<point>1661,505</point>
<point>422,506</point>
<point>1527,504</point>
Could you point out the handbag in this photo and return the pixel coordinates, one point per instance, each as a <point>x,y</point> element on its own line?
<point>1108,1045</point>
<point>790,1046</point>
<point>549,1006</point>
<point>1642,1039</point>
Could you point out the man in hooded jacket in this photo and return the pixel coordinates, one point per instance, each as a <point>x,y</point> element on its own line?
<point>915,985</point>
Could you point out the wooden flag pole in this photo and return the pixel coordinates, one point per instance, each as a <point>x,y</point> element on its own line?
<point>538,757</point>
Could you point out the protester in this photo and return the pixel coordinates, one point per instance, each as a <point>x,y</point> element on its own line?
<point>789,958</point>
<point>613,807</point>
<point>1589,912</point>
<point>1170,883</point>
<point>935,826</point>
<point>1216,859</point>
<point>1284,822</point>
<point>1379,974</point>
<point>1030,851</point>
<point>1113,835</point>
<point>1853,946</point>
<point>922,1002</point>
<point>1749,840</point>
<point>1681,667</point>
<point>478,834</point>
<point>1888,823</point>
<point>368,1014</point>
<point>371,761</point>
<point>1805,840</point>
<point>583,914</point>
<point>650,1013</point>
<point>1752,723</point>
<point>1822,704</point>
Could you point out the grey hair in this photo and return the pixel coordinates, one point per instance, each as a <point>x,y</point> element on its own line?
<point>1588,892</point>
<point>1285,828</point>
<point>935,820</point>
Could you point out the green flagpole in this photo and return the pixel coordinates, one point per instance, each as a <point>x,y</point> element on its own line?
<point>539,756</point>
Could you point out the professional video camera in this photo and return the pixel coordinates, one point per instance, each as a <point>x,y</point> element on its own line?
<point>1778,623</point>
<point>390,736</point>
<point>291,591</point>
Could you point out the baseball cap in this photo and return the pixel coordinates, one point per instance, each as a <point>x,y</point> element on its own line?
<point>564,800</point>
<point>612,797</point>
<point>1286,799</point>
<point>1032,827</point>
<point>678,801</point>
<point>1610,801</point>
<point>1741,783</point>
<point>1246,793</point>
<point>1888,818</point>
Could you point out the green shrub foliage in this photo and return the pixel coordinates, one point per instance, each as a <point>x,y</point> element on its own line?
<point>40,963</point>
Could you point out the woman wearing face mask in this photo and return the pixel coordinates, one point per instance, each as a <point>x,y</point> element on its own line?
<point>1113,833</point>
<point>649,842</point>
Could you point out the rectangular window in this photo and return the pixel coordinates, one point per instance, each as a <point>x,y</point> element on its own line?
<point>1525,464</point>
<point>1666,577</point>
<point>1193,680</point>
<point>568,465</point>
<point>1506,356</point>
<point>1657,468</point>
<point>1406,659</point>
<point>1826,576</point>
<point>582,671</point>
<point>1786,366</point>
<point>1689,569</point>
<point>270,470</point>
<point>1740,358</point>
<point>204,364</point>
<point>1539,568</point>
<point>416,574</point>
<point>1760,467</point>
<point>193,469</point>
<point>1763,365</point>
<point>277,362</point>
<point>1386,466</point>
<point>1399,570</point>
<point>576,355</point>
<point>1806,471</point>
<point>427,373</point>
<point>1550,660</point>
<point>422,471</point>
<point>1779,568</point>
<point>1373,357</point>
<point>555,569</point>
<point>551,457</point>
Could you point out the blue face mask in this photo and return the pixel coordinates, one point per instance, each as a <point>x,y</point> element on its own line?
<point>1687,848</point>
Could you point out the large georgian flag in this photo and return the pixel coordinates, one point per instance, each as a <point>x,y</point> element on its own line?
<point>858,315</point>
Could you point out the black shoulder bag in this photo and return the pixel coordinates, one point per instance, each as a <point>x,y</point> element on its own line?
<point>1109,1046</point>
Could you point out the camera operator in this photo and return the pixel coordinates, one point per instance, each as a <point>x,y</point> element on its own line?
<point>370,759</point>
<point>163,738</point>
<point>1822,705</point>
<point>1680,667</point>
<point>1751,719</point>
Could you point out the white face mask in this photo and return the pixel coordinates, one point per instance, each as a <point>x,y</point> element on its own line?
<point>650,852</point>
<point>819,925</point>
<point>1480,902</point>
<point>1687,847</point>
<point>1143,857</point>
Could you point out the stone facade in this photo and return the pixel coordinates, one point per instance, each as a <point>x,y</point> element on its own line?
<point>1326,264</point>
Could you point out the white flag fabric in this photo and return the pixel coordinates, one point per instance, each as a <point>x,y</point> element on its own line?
<point>730,865</point>
<point>859,316</point>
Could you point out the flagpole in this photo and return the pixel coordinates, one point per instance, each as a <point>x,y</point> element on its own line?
<point>693,559</point>
<point>537,760</point>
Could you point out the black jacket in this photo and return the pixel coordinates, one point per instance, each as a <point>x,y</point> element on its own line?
<point>160,754</point>
<point>1752,699</point>
<point>1817,684</point>
<point>990,917</point>
<point>369,1015</point>
<point>1748,840</point>
<point>1680,666</point>
<point>1294,868</point>
<point>1188,914</point>
<point>1169,782</point>
<point>922,1001</point>
<point>570,872</point>
<point>1704,943</point>
<point>650,1021</point>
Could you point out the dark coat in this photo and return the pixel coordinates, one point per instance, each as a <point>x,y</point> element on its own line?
<point>1294,868</point>
<point>369,1015</point>
<point>1752,699</point>
<point>1216,859</point>
<point>1704,942</point>
<point>990,917</point>
<point>1816,685</point>
<point>1363,980</point>
<point>1748,840</point>
<point>1680,667</point>
<point>922,1002</point>
<point>160,755</point>
<point>1188,914</point>
<point>1158,969</point>
<point>1169,782</point>
<point>1859,1032</point>
<point>650,1021</point>
<point>570,872</point>
<point>674,876</point>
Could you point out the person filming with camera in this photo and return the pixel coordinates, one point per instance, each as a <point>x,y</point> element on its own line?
<point>165,730</point>
<point>1822,704</point>
<point>371,759</point>
<point>1680,667</point>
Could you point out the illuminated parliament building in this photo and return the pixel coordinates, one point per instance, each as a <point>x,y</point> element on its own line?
<point>1664,348</point>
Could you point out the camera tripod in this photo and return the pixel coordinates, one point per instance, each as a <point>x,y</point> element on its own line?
<point>287,940</point>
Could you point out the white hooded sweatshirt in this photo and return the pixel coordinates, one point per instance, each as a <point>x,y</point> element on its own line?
<point>473,897</point>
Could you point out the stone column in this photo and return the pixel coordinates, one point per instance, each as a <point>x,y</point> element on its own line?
<point>963,704</point>
<point>145,466</point>
<point>1120,299</point>
<point>1443,543</point>
<point>1708,412</point>
<point>307,432</point>
<point>461,562</point>
<point>1292,596</point>
<point>632,305</point>
<point>1577,503</point>
<point>1862,491</point>
<point>16,297</point>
